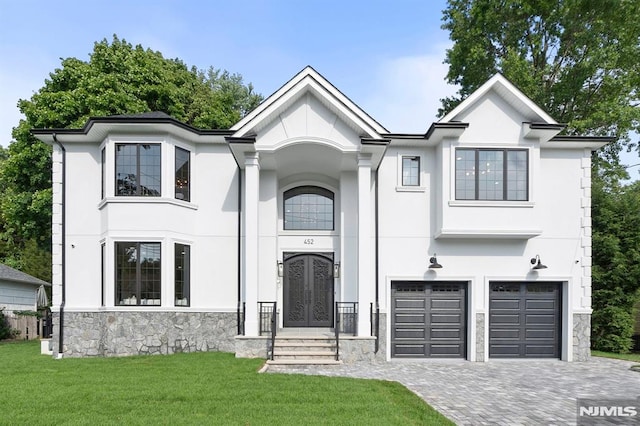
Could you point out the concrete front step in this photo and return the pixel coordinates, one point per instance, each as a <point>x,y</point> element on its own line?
<point>303,362</point>
<point>304,350</point>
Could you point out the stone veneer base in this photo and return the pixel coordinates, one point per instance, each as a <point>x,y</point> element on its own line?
<point>480,332</point>
<point>119,333</point>
<point>581,337</point>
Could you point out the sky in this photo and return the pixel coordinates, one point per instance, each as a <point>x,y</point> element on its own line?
<point>386,56</point>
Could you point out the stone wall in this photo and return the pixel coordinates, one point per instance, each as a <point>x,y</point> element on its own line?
<point>139,333</point>
<point>581,337</point>
<point>480,332</point>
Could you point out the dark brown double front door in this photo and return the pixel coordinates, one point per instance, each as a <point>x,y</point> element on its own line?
<point>308,290</point>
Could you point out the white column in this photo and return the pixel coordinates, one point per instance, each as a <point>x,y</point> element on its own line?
<point>251,197</point>
<point>365,253</point>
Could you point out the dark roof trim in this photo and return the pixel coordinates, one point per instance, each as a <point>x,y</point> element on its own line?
<point>405,135</point>
<point>449,125</point>
<point>545,126</point>
<point>572,138</point>
<point>245,139</point>
<point>374,141</point>
<point>132,119</point>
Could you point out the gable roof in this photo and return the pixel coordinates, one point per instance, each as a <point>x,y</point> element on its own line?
<point>510,93</point>
<point>7,273</point>
<point>309,80</point>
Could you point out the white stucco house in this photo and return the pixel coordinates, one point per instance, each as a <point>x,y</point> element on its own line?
<point>472,240</point>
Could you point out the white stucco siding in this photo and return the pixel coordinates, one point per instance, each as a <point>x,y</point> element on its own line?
<point>492,120</point>
<point>307,119</point>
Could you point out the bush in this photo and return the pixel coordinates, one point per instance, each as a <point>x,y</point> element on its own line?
<point>6,331</point>
<point>612,328</point>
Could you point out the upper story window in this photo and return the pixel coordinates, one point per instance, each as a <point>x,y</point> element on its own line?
<point>308,208</point>
<point>183,175</point>
<point>411,171</point>
<point>138,170</point>
<point>492,174</point>
<point>103,171</point>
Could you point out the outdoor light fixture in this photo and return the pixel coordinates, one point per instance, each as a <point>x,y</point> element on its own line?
<point>538,264</point>
<point>336,270</point>
<point>433,262</point>
<point>280,269</point>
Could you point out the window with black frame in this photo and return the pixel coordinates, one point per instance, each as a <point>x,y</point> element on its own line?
<point>492,174</point>
<point>308,208</point>
<point>138,170</point>
<point>182,174</point>
<point>411,171</point>
<point>138,273</point>
<point>182,274</point>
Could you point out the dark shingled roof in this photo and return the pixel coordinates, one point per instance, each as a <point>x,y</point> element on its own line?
<point>9,274</point>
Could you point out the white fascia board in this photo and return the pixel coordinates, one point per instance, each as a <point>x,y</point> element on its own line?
<point>495,82</point>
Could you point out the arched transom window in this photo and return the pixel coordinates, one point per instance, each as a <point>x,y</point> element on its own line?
<point>308,208</point>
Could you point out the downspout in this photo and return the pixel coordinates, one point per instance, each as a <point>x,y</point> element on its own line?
<point>239,312</point>
<point>377,266</point>
<point>64,245</point>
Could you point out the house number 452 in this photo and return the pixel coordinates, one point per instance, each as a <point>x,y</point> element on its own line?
<point>308,241</point>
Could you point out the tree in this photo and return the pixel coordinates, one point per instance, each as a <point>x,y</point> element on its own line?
<point>575,58</point>
<point>616,261</point>
<point>118,78</point>
<point>578,60</point>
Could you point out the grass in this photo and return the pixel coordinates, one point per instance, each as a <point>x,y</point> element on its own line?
<point>197,388</point>
<point>628,357</point>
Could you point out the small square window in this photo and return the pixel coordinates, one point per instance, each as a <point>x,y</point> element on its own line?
<point>411,171</point>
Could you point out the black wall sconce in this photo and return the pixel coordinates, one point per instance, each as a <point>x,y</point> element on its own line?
<point>280,269</point>
<point>433,262</point>
<point>336,270</point>
<point>538,264</point>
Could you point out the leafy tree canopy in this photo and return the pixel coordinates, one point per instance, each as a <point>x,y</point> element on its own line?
<point>118,78</point>
<point>577,59</point>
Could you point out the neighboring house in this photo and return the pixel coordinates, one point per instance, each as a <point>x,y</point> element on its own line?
<point>470,241</point>
<point>19,292</point>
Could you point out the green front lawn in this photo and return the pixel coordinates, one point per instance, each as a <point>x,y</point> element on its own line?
<point>628,357</point>
<point>197,388</point>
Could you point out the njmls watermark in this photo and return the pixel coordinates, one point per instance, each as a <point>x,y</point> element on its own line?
<point>608,411</point>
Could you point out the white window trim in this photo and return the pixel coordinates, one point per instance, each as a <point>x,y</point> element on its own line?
<point>421,175</point>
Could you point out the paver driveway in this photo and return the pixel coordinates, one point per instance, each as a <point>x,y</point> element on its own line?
<point>514,392</point>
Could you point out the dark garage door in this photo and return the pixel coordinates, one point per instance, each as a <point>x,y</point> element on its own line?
<point>524,319</point>
<point>428,319</point>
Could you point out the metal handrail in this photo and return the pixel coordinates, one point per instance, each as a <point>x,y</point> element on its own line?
<point>348,313</point>
<point>337,330</point>
<point>274,327</point>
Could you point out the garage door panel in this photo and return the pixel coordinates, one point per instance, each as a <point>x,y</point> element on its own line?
<point>409,350</point>
<point>446,333</point>
<point>548,319</point>
<point>411,318</point>
<point>446,304</point>
<point>540,350</point>
<point>530,330</point>
<point>506,350</point>
<point>505,304</point>
<point>445,350</point>
<point>428,319</point>
<point>540,334</point>
<point>410,303</point>
<point>505,333</point>
<point>445,319</point>
<point>540,304</point>
<point>410,333</point>
<point>505,319</point>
